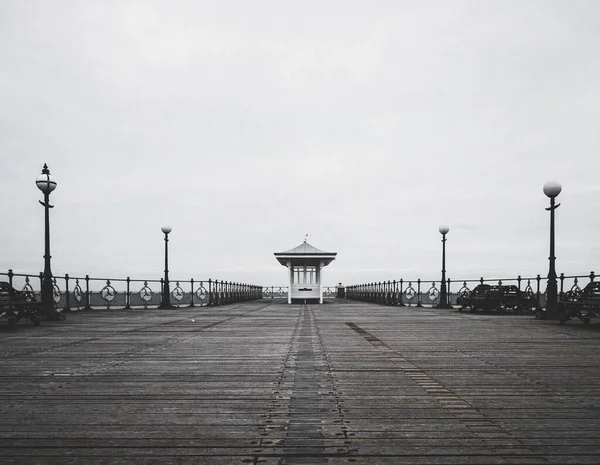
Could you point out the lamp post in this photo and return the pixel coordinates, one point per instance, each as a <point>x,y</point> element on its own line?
<point>443,292</point>
<point>166,297</point>
<point>46,183</point>
<point>551,189</point>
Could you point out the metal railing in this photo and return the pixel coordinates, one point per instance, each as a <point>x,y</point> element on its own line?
<point>419,293</point>
<point>77,293</point>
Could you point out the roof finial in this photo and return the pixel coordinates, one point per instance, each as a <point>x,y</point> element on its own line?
<point>305,237</point>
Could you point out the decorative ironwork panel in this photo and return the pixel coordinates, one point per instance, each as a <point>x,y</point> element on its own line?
<point>433,294</point>
<point>529,290</point>
<point>464,291</point>
<point>575,292</point>
<point>202,295</point>
<point>27,287</point>
<point>56,294</point>
<point>410,293</point>
<point>78,294</point>
<point>145,295</point>
<point>177,293</point>
<point>108,294</point>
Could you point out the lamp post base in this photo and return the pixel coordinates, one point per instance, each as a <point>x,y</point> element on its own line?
<point>545,315</point>
<point>52,316</point>
<point>444,306</point>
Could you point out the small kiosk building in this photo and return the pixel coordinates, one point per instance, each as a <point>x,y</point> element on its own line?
<point>305,264</point>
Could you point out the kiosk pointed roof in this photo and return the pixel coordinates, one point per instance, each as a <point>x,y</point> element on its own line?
<point>305,251</point>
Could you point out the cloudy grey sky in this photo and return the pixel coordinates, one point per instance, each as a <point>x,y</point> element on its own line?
<point>245,125</point>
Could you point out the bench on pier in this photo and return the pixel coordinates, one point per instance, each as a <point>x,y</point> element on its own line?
<point>497,298</point>
<point>17,304</point>
<point>584,304</point>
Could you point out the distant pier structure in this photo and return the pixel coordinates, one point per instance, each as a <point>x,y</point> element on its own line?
<point>305,264</point>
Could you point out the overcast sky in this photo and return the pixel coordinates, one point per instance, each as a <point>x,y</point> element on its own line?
<point>247,124</point>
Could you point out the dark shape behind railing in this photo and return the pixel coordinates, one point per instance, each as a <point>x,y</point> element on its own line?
<point>89,292</point>
<point>408,293</point>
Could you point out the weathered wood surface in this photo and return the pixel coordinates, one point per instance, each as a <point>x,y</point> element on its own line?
<point>264,382</point>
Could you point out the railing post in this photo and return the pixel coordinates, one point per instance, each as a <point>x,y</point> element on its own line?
<point>128,294</point>
<point>419,293</point>
<point>87,293</point>
<point>216,297</point>
<point>562,288</point>
<point>192,292</point>
<point>10,277</point>
<point>210,299</point>
<point>401,304</point>
<point>539,295</point>
<point>592,276</point>
<point>519,282</point>
<point>67,307</point>
<point>448,294</point>
<point>162,291</point>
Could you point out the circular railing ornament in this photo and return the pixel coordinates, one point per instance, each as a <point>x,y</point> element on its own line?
<point>201,292</point>
<point>177,293</point>
<point>77,292</point>
<point>146,293</point>
<point>27,288</point>
<point>464,291</point>
<point>28,291</point>
<point>433,293</point>
<point>55,292</point>
<point>575,292</point>
<point>410,292</point>
<point>528,290</point>
<point>108,293</point>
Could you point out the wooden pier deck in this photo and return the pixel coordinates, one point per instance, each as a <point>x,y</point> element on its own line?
<point>267,383</point>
